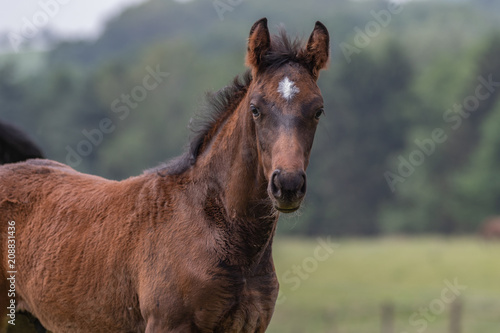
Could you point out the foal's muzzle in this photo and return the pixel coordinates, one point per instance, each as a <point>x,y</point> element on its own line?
<point>288,189</point>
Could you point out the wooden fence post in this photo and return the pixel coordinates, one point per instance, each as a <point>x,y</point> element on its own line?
<point>456,316</point>
<point>331,319</point>
<point>387,317</point>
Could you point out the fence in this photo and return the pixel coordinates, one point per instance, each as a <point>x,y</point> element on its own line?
<point>454,323</point>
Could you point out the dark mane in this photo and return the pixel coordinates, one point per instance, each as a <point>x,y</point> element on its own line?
<point>221,104</point>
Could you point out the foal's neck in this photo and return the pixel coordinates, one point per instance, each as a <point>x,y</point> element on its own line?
<point>236,185</point>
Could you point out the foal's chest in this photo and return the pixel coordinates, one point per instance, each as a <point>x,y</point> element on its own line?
<point>246,308</point>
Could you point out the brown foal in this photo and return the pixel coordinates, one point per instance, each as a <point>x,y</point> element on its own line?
<point>185,247</point>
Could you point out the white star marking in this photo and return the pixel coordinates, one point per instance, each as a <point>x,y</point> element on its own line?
<point>287,89</point>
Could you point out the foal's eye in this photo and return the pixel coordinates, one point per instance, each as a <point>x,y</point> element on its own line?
<point>319,113</point>
<point>255,111</point>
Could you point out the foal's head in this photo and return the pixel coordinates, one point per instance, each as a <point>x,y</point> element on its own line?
<point>286,105</point>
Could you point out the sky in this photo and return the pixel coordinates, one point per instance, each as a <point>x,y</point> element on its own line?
<point>68,18</point>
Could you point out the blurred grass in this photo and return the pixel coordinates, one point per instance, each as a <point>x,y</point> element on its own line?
<point>345,292</point>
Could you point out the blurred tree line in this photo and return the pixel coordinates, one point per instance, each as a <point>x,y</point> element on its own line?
<point>410,141</point>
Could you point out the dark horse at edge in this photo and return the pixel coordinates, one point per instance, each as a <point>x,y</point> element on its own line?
<point>185,247</point>
<point>15,145</point>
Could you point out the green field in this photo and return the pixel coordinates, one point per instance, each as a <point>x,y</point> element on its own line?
<point>343,291</point>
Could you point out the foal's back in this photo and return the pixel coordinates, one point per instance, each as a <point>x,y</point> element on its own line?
<point>68,223</point>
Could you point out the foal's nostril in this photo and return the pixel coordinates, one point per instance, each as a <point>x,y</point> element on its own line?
<point>275,184</point>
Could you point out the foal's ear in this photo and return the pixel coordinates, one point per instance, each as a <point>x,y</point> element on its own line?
<point>259,43</point>
<point>318,48</point>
